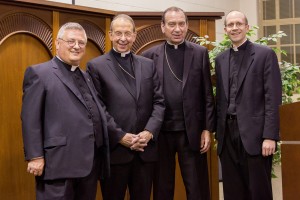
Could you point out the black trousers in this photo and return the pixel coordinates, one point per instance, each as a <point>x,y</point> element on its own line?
<point>136,175</point>
<point>245,177</point>
<point>71,188</point>
<point>193,167</point>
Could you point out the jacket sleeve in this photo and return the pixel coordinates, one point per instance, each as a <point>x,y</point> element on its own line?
<point>157,116</point>
<point>32,114</point>
<point>210,115</point>
<point>273,95</point>
<point>115,132</point>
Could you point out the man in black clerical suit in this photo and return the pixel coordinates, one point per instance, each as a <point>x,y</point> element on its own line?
<point>64,125</point>
<point>248,98</point>
<point>183,69</point>
<point>129,86</point>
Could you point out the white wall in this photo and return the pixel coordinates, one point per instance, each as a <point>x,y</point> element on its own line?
<point>62,1</point>
<point>248,7</point>
<point>251,11</point>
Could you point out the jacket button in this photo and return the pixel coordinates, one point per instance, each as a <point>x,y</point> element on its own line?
<point>91,136</point>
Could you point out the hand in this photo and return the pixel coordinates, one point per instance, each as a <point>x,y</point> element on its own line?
<point>147,135</point>
<point>36,166</point>
<point>129,139</point>
<point>268,147</point>
<point>144,138</point>
<point>205,141</point>
<point>139,145</point>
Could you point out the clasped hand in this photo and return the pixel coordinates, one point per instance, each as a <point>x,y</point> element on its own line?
<point>136,142</point>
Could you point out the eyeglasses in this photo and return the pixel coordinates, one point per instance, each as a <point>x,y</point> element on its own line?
<point>238,25</point>
<point>72,43</point>
<point>119,34</point>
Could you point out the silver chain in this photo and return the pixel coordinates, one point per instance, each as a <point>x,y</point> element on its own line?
<point>126,71</point>
<point>170,66</point>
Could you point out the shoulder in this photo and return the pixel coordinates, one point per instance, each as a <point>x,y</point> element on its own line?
<point>98,59</point>
<point>195,46</point>
<point>143,59</point>
<point>223,53</point>
<point>42,67</point>
<point>262,48</point>
<point>38,73</point>
<point>153,49</point>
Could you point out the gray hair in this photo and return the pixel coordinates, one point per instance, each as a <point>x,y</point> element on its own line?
<point>70,26</point>
<point>122,16</point>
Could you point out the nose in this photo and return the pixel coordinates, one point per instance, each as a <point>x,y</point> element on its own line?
<point>177,27</point>
<point>123,37</point>
<point>76,45</point>
<point>235,26</point>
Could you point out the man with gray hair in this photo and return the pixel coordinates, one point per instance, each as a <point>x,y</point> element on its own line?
<point>64,125</point>
<point>130,89</point>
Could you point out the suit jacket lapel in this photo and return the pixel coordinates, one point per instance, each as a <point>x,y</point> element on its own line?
<point>225,71</point>
<point>246,63</point>
<point>138,74</point>
<point>188,57</point>
<point>68,81</point>
<point>113,65</point>
<point>159,61</point>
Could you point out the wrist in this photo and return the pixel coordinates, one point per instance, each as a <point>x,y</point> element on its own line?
<point>149,133</point>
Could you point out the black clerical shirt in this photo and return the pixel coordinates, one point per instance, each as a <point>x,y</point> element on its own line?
<point>236,61</point>
<point>173,76</point>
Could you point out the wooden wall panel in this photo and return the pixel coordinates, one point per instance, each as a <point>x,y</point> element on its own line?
<point>290,150</point>
<point>17,52</point>
<point>92,51</point>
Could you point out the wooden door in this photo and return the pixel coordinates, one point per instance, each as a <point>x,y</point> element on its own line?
<point>16,53</point>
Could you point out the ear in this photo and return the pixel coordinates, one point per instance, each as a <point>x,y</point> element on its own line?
<point>110,35</point>
<point>134,36</point>
<point>57,43</point>
<point>225,30</point>
<point>162,26</point>
<point>247,27</point>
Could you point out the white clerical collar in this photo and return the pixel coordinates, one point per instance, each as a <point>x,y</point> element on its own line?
<point>73,67</point>
<point>235,48</point>
<point>123,54</point>
<point>175,45</point>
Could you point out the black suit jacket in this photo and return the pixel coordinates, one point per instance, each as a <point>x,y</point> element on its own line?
<point>132,113</point>
<point>198,100</point>
<point>56,125</point>
<point>257,100</point>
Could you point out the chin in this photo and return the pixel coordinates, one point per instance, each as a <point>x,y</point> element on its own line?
<point>122,50</point>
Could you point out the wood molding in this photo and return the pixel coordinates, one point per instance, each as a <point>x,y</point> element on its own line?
<point>25,22</point>
<point>95,34</point>
<point>49,5</point>
<point>190,15</point>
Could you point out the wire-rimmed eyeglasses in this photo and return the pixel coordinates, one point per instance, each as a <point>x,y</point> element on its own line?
<point>72,43</point>
<point>238,25</point>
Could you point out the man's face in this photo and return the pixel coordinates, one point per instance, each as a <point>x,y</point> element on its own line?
<point>175,27</point>
<point>71,47</point>
<point>122,35</point>
<point>236,28</point>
